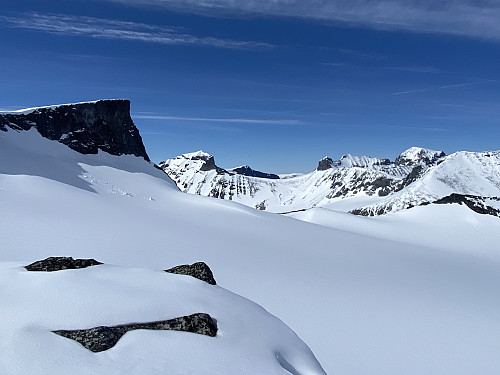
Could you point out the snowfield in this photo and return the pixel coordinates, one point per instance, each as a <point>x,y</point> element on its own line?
<point>365,297</point>
<point>249,340</point>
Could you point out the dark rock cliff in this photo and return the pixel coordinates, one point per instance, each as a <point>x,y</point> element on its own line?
<point>324,164</point>
<point>247,171</point>
<point>85,127</point>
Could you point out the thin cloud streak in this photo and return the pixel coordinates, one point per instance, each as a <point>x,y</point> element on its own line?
<point>471,18</point>
<point>412,69</point>
<point>443,87</point>
<point>210,119</point>
<point>101,28</point>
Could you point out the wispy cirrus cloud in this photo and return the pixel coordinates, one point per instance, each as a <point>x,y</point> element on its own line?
<point>472,18</point>
<point>413,69</point>
<point>443,87</point>
<point>220,120</point>
<point>102,28</point>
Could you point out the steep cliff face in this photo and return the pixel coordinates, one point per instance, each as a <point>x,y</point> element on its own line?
<point>85,127</point>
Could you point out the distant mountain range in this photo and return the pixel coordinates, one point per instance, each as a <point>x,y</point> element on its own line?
<point>418,176</point>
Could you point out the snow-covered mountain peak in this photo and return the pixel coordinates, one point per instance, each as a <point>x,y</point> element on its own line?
<point>463,172</point>
<point>192,162</point>
<point>349,161</point>
<point>419,156</point>
<point>197,155</point>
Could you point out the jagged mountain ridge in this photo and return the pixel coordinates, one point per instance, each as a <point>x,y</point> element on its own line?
<point>197,173</point>
<point>417,177</point>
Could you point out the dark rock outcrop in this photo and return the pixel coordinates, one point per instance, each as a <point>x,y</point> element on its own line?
<point>85,127</point>
<point>200,270</point>
<point>325,163</point>
<point>475,203</point>
<point>209,163</point>
<point>247,171</point>
<point>102,338</point>
<point>368,211</point>
<point>61,263</point>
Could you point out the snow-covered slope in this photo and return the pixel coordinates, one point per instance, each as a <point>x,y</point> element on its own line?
<point>468,173</point>
<point>364,304</point>
<point>249,340</point>
<point>349,176</point>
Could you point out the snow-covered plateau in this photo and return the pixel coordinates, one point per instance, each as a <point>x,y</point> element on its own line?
<point>414,291</point>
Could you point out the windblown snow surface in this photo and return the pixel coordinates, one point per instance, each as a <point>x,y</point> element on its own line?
<point>365,302</point>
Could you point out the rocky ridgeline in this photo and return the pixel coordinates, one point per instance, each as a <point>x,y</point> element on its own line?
<point>245,170</point>
<point>98,339</point>
<point>481,205</point>
<point>85,127</point>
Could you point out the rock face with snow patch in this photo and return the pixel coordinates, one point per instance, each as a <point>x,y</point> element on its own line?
<point>85,127</point>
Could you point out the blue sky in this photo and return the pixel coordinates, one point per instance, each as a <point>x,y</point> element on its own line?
<point>273,84</point>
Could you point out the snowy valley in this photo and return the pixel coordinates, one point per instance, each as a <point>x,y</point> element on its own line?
<point>408,286</point>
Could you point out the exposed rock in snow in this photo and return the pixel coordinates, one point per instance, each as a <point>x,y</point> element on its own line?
<point>481,205</point>
<point>85,127</point>
<point>99,339</point>
<point>199,270</point>
<point>245,170</point>
<point>61,263</point>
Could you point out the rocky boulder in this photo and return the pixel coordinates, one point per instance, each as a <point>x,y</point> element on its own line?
<point>200,270</point>
<point>61,263</point>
